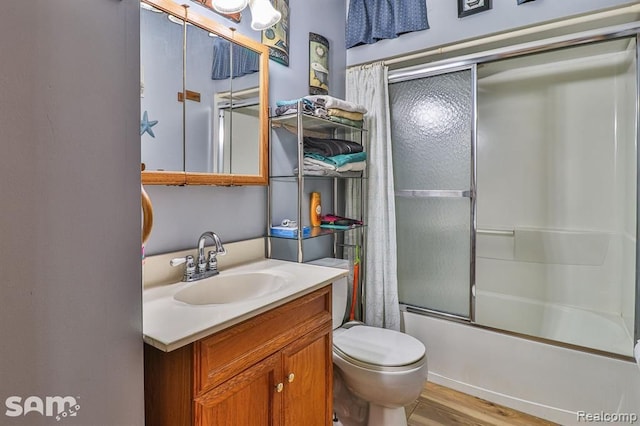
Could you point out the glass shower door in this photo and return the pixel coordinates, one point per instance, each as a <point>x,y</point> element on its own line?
<point>432,129</point>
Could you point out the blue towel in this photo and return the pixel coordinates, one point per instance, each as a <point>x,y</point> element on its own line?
<point>294,102</point>
<point>339,160</point>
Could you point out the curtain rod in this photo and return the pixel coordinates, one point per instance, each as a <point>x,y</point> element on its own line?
<point>635,8</point>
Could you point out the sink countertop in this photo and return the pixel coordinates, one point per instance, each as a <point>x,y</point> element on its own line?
<point>169,324</point>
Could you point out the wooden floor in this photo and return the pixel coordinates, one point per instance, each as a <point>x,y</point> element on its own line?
<point>439,405</point>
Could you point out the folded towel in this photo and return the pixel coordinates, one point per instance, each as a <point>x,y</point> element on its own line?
<point>320,112</point>
<point>332,226</point>
<point>327,172</point>
<point>308,107</point>
<point>331,102</point>
<point>342,120</point>
<point>314,167</point>
<point>355,166</point>
<point>315,164</point>
<point>330,147</point>
<point>356,116</point>
<point>286,109</point>
<point>332,219</point>
<point>289,107</point>
<point>294,102</point>
<point>338,160</point>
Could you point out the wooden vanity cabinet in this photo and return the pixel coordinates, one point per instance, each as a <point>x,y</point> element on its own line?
<point>273,369</point>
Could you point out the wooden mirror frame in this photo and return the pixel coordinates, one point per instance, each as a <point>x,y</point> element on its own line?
<point>222,179</point>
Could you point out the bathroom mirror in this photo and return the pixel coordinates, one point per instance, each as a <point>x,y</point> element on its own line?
<point>161,125</point>
<point>213,129</point>
<point>238,123</point>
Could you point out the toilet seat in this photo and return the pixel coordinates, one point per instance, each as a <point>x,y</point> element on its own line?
<point>378,348</point>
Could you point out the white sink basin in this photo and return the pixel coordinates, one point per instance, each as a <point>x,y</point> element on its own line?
<point>230,288</point>
<point>178,314</point>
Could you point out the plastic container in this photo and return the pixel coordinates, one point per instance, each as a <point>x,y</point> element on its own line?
<point>315,209</point>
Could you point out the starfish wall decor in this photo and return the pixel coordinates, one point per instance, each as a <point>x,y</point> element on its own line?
<point>146,125</point>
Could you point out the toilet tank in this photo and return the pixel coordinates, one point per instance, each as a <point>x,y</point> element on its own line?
<point>339,289</point>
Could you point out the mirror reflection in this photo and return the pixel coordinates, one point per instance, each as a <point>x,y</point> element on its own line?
<point>201,87</point>
<point>219,73</point>
<point>200,132</point>
<point>161,79</point>
<point>239,122</point>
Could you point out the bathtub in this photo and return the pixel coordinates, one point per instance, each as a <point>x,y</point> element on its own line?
<point>552,382</point>
<point>568,324</point>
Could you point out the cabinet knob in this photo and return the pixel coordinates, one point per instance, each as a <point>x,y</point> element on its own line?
<point>279,387</point>
<point>290,377</point>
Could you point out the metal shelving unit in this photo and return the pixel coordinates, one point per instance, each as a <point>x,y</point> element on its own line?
<point>296,126</point>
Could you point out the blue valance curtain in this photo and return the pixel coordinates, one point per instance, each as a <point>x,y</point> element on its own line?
<point>245,61</point>
<point>371,20</point>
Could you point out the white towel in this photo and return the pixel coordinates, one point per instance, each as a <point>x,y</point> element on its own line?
<point>314,164</point>
<point>331,102</point>
<point>320,168</point>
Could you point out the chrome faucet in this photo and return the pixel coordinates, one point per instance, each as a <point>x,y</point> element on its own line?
<point>210,265</point>
<point>205,267</point>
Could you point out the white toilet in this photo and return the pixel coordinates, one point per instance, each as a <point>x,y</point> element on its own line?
<point>384,367</point>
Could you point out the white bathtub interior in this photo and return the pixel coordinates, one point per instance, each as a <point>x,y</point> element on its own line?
<point>547,381</point>
<point>556,195</point>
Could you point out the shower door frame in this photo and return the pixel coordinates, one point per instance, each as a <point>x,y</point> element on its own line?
<point>470,62</point>
<point>471,193</point>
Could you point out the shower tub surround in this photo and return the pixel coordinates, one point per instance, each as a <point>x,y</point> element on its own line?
<point>557,180</point>
<point>555,247</point>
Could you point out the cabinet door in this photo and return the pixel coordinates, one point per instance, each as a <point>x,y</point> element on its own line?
<point>251,398</point>
<point>308,380</point>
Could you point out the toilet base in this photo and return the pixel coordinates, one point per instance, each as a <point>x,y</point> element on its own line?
<point>385,416</point>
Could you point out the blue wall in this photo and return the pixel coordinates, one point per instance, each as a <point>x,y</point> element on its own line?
<point>447,28</point>
<point>237,213</point>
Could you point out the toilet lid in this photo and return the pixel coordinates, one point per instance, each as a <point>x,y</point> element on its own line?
<point>379,346</point>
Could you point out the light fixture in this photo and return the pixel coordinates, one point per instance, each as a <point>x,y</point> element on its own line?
<point>229,6</point>
<point>263,14</point>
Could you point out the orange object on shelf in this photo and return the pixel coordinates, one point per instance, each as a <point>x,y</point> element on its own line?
<point>315,209</point>
<point>356,278</point>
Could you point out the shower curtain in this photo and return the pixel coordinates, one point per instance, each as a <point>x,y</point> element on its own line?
<point>367,86</point>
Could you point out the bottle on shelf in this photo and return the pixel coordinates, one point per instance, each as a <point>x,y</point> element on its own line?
<point>315,209</point>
